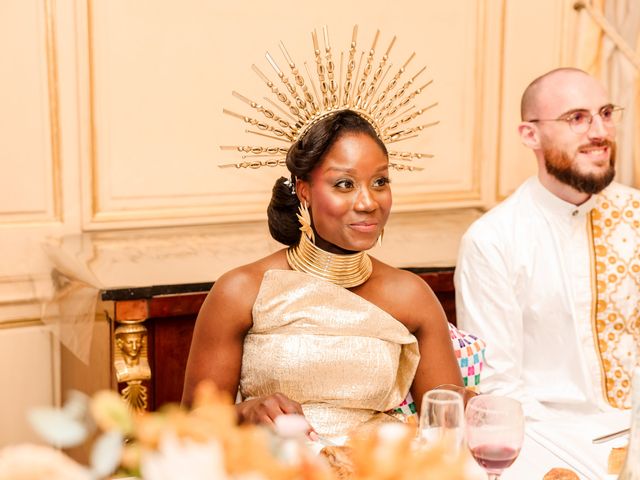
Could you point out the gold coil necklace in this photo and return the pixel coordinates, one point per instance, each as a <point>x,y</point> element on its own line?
<point>345,271</point>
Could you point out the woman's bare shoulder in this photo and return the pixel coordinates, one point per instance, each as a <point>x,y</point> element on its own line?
<point>402,281</point>
<point>406,296</point>
<point>223,322</point>
<point>242,283</point>
<point>235,291</point>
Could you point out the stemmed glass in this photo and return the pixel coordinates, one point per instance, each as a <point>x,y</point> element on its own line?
<point>442,419</point>
<point>494,432</point>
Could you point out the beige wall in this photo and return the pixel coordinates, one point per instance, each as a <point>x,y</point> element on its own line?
<point>111,117</point>
<point>29,365</point>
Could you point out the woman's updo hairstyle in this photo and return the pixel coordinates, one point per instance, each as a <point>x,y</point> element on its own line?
<point>302,158</point>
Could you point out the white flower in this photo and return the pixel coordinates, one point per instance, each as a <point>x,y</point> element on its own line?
<point>62,427</point>
<point>184,459</point>
<point>111,412</point>
<point>106,454</point>
<point>36,462</point>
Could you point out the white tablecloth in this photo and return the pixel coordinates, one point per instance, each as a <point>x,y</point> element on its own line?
<point>566,443</point>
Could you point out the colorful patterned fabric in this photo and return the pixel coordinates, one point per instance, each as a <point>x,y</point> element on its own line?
<point>469,351</point>
<point>615,226</point>
<point>407,407</point>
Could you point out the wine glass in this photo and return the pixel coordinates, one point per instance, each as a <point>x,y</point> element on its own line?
<point>442,419</point>
<point>494,432</point>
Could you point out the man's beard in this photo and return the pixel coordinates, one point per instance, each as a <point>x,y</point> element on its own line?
<point>563,168</point>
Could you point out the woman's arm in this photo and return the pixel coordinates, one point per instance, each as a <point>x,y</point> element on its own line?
<point>427,321</point>
<point>218,337</point>
<point>217,345</point>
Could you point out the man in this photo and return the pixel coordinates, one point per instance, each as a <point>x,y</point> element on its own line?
<point>550,277</point>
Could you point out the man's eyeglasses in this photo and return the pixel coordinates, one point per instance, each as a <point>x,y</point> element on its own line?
<point>580,120</point>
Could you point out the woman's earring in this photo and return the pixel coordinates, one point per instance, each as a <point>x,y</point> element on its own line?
<point>380,238</point>
<point>304,217</point>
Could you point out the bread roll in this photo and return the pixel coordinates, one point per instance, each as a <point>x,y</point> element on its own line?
<point>340,461</point>
<point>616,460</point>
<point>560,474</point>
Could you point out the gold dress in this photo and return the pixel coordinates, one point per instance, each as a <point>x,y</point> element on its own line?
<point>342,358</point>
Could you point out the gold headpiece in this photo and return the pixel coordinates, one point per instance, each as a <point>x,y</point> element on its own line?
<point>389,108</point>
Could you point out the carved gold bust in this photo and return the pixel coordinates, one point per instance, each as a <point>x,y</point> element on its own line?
<point>130,353</point>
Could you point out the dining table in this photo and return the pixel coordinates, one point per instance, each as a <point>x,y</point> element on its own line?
<point>565,442</point>
<point>560,443</point>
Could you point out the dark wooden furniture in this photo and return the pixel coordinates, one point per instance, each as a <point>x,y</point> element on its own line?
<point>169,313</point>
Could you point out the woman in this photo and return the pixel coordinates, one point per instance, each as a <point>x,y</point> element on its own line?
<point>340,349</point>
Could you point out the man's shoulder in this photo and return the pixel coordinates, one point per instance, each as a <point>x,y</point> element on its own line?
<point>504,216</point>
<point>619,194</point>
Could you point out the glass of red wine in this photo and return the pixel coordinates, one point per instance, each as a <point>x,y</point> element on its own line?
<point>494,432</point>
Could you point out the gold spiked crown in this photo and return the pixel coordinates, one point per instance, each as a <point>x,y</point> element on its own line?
<point>388,107</point>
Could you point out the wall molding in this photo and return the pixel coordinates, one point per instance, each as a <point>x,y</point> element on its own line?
<point>51,211</point>
<point>484,51</point>
<point>54,113</point>
<point>563,21</point>
<point>18,301</point>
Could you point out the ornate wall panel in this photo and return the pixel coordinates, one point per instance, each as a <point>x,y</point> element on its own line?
<point>160,74</point>
<point>29,379</point>
<point>29,144</point>
<point>537,39</point>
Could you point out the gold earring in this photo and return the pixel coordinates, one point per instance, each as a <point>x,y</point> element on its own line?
<point>380,238</point>
<point>304,217</point>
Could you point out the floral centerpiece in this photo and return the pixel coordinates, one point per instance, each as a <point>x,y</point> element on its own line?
<point>203,443</point>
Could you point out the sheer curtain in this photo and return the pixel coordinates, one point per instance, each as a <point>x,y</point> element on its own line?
<point>599,54</point>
